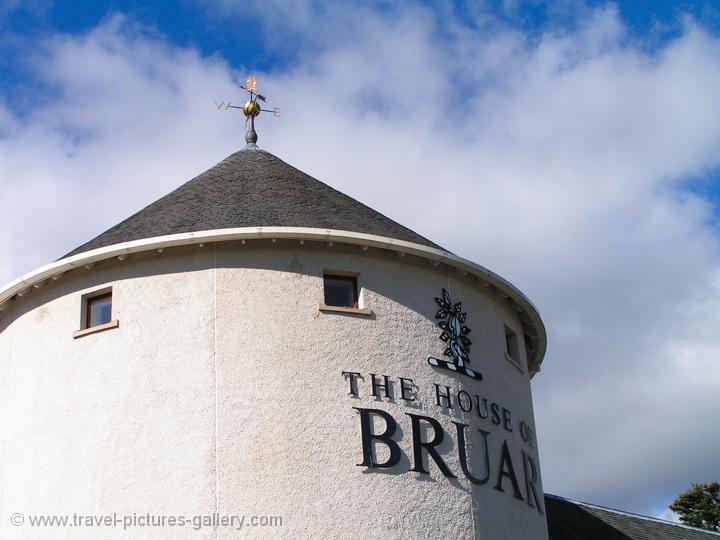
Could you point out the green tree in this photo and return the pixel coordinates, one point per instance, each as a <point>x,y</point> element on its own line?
<point>699,506</point>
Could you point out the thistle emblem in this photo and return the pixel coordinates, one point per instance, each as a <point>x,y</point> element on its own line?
<point>454,335</point>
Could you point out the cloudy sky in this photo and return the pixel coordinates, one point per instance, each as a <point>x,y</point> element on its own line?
<point>572,148</point>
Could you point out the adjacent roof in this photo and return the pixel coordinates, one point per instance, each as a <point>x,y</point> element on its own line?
<point>252,188</point>
<point>573,520</point>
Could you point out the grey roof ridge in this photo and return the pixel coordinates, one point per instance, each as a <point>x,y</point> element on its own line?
<point>630,514</point>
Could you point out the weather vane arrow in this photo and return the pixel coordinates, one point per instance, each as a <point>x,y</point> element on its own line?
<point>251,108</point>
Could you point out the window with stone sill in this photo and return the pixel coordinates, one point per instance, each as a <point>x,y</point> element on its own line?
<point>96,312</point>
<point>341,294</point>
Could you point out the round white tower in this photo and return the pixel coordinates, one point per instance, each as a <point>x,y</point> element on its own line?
<point>256,349</point>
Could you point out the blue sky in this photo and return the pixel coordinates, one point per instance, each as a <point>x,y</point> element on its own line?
<point>204,26</point>
<point>576,144</point>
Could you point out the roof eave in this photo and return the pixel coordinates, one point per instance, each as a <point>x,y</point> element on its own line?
<point>530,316</point>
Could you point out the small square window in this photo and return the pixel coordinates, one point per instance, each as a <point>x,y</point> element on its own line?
<point>98,310</point>
<point>96,313</point>
<point>341,291</point>
<point>511,345</point>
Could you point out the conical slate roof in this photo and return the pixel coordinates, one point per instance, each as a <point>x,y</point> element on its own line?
<point>252,188</point>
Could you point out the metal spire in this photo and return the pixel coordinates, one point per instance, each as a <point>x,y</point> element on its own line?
<point>251,109</point>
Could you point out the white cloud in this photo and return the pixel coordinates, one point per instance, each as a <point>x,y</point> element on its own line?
<point>561,163</point>
<point>131,117</point>
<point>668,515</point>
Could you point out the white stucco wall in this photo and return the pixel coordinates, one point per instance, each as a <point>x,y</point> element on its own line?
<point>222,391</point>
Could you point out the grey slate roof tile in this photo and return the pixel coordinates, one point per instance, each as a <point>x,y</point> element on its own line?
<point>252,188</point>
<point>573,520</point>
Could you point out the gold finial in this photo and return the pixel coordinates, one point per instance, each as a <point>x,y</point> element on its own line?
<point>251,108</point>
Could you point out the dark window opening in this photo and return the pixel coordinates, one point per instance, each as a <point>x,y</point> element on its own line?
<point>341,291</point>
<point>98,310</point>
<point>511,344</point>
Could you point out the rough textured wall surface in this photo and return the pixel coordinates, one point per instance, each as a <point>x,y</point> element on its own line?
<point>222,391</point>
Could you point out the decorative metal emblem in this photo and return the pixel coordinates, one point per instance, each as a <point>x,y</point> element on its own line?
<point>251,109</point>
<point>454,335</point>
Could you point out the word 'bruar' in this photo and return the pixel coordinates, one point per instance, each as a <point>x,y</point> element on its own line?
<point>504,473</point>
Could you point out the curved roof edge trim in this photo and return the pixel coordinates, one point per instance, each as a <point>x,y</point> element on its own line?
<point>519,301</point>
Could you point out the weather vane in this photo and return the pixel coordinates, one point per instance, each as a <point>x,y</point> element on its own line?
<point>251,108</point>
